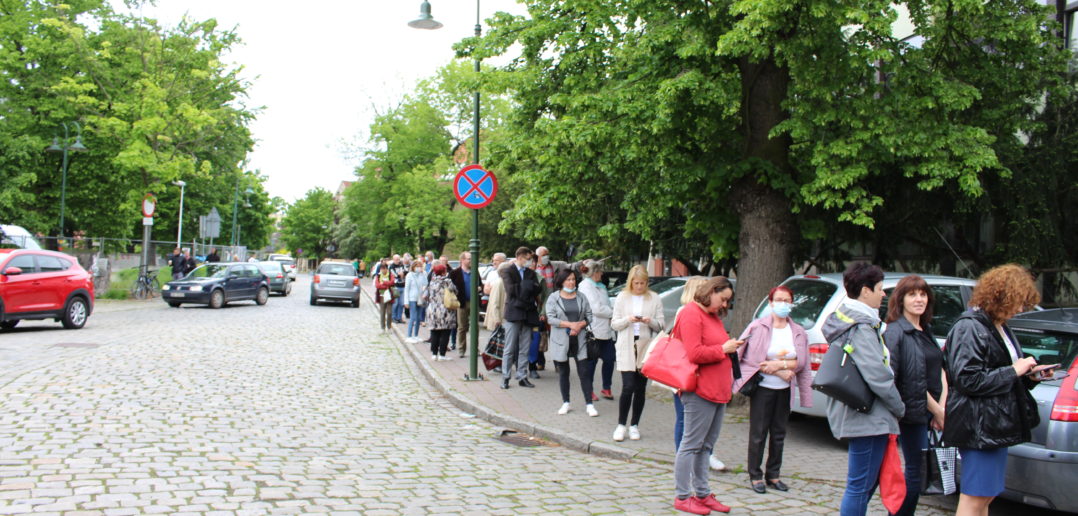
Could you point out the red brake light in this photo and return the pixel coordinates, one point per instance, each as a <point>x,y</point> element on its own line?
<point>279,276</point>
<point>316,278</point>
<point>1065,407</point>
<point>816,353</point>
<point>355,281</point>
<point>811,276</point>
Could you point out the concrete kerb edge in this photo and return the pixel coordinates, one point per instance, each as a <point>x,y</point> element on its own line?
<point>466,404</point>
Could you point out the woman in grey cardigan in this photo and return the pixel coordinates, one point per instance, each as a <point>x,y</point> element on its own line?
<point>568,314</point>
<point>857,323</point>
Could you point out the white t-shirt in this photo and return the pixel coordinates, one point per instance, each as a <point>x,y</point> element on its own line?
<point>782,346</point>
<point>1008,343</point>
<point>638,309</point>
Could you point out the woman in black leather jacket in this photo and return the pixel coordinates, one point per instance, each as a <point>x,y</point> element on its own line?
<point>918,364</point>
<point>989,406</point>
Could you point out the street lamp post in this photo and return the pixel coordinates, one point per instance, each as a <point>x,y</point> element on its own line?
<point>179,229</point>
<point>74,147</point>
<point>426,21</point>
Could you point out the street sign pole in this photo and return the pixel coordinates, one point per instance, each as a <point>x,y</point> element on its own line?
<point>474,188</point>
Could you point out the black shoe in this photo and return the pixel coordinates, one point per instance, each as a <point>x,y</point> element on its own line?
<point>534,374</point>
<point>505,383</point>
<point>778,484</point>
<point>526,383</point>
<point>758,486</point>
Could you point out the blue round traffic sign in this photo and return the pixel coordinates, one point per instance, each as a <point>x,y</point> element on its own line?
<point>475,187</point>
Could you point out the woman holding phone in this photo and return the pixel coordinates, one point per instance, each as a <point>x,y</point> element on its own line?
<point>989,407</point>
<point>638,316</point>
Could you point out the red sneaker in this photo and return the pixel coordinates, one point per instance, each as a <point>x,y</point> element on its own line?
<point>691,505</point>
<point>607,394</point>
<point>714,504</point>
<point>594,397</point>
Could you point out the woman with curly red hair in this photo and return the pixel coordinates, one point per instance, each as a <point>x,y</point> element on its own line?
<point>989,407</point>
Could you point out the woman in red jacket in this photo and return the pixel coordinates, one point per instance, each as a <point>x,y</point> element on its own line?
<point>707,344</point>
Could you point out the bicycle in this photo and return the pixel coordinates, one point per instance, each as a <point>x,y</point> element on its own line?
<point>146,285</point>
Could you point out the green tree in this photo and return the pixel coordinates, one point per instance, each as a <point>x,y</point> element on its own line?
<point>308,223</point>
<point>744,125</point>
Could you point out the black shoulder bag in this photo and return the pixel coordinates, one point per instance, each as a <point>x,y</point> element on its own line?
<point>839,378</point>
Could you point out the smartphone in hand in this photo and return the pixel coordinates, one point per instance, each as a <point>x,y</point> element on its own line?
<point>1043,372</point>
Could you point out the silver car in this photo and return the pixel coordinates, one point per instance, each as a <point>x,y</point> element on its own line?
<point>817,296</point>
<point>335,281</point>
<point>1044,471</point>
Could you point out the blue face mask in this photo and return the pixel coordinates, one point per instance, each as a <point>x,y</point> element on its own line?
<point>568,290</point>
<point>781,309</point>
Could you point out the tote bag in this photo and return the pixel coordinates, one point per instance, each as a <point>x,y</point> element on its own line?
<point>937,467</point>
<point>668,363</point>
<point>449,299</point>
<point>839,378</point>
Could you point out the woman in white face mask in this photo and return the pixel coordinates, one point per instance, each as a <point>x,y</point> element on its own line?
<point>775,354</point>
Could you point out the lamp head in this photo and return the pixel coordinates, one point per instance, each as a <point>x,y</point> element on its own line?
<point>77,146</point>
<point>55,147</point>
<point>425,20</point>
<point>179,183</point>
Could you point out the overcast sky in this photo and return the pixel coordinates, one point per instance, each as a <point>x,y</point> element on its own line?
<point>321,68</point>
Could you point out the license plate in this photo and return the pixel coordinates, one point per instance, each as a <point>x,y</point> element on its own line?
<point>336,283</point>
<point>177,294</point>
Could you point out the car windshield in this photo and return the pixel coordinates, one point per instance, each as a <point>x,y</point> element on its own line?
<point>270,266</point>
<point>210,270</point>
<point>338,269</point>
<point>1048,347</point>
<point>810,298</point>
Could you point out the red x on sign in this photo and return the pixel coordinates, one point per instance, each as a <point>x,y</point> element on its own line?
<point>475,187</point>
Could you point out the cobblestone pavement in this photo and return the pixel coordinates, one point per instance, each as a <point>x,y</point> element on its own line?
<point>284,409</point>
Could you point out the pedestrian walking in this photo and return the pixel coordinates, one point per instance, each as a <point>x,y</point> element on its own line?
<point>462,280</point>
<point>855,326</point>
<point>189,262</point>
<point>362,270</point>
<point>384,294</point>
<point>989,407</point>
<point>414,286</point>
<point>601,310</point>
<point>774,356</point>
<point>178,263</point>
<point>688,295</point>
<point>495,289</point>
<point>638,316</point>
<point>707,344</point>
<point>917,362</point>
<point>213,257</point>
<point>440,318</point>
<point>522,291</point>
<point>399,271</point>
<point>569,314</point>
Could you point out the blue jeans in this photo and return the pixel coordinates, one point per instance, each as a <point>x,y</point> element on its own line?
<point>398,304</point>
<point>679,421</point>
<point>862,473</point>
<point>415,315</point>
<point>913,438</point>
<point>533,350</point>
<point>608,355</point>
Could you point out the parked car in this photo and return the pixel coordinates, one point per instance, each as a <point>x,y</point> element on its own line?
<point>16,237</point>
<point>1044,471</point>
<point>278,278</point>
<point>669,290</point>
<point>289,264</point>
<point>37,284</point>
<point>217,284</point>
<point>817,296</point>
<point>335,281</point>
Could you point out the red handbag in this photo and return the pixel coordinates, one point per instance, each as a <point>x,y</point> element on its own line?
<point>669,364</point>
<point>892,477</point>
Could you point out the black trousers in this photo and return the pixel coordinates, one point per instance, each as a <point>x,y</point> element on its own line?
<point>633,386</point>
<point>769,410</point>
<point>585,370</point>
<point>439,342</point>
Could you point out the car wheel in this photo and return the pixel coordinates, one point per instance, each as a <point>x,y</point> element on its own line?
<point>76,313</point>
<point>262,296</point>
<point>287,289</point>
<point>217,299</point>
<point>355,303</point>
<point>174,304</point>
<point>7,325</point>
<point>314,300</point>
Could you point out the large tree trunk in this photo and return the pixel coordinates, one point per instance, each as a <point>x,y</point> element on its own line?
<point>768,232</point>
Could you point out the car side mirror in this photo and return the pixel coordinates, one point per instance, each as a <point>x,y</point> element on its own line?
<point>233,275</point>
<point>12,271</point>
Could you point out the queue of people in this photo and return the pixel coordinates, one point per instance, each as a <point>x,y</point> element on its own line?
<point>979,375</point>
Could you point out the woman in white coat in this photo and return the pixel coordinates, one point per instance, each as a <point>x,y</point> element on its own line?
<point>601,310</point>
<point>638,316</point>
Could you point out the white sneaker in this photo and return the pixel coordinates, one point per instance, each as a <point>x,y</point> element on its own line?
<point>634,433</point>
<point>564,409</point>
<point>716,464</point>
<point>434,358</point>
<point>591,410</point>
<point>619,433</point>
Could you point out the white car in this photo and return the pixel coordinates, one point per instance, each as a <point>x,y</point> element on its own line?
<point>17,237</point>
<point>288,262</point>
<point>817,296</point>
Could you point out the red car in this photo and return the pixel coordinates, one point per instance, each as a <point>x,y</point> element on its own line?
<point>37,284</point>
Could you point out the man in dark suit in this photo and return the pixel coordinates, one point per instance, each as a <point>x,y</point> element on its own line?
<point>462,280</point>
<point>522,291</point>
